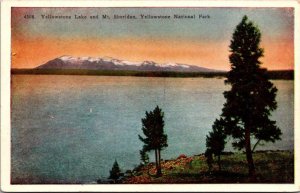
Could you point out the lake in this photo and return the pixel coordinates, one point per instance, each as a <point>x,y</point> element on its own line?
<point>70,129</point>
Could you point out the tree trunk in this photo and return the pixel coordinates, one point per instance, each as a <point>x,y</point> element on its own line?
<point>159,165</point>
<point>249,152</point>
<point>219,162</point>
<point>156,161</point>
<point>255,145</point>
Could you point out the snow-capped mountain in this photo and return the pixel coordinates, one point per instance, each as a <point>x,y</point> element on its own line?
<point>107,63</point>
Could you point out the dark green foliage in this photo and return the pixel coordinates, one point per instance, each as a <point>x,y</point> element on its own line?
<point>251,99</point>
<point>215,142</point>
<point>115,171</point>
<point>155,138</point>
<point>153,129</point>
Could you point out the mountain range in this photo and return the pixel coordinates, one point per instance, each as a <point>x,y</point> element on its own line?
<point>107,63</point>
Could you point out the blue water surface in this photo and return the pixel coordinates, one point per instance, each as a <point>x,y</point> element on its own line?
<point>70,129</point>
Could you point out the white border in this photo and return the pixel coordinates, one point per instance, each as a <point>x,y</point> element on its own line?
<point>5,100</point>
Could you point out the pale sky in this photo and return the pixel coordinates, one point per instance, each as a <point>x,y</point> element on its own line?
<point>202,42</point>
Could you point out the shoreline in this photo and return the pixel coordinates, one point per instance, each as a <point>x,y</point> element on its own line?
<point>273,74</point>
<point>272,166</point>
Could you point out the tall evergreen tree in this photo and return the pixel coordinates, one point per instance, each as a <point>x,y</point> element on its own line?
<point>215,141</point>
<point>155,138</point>
<point>251,99</point>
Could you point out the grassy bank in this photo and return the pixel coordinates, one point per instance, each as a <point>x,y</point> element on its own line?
<point>271,167</point>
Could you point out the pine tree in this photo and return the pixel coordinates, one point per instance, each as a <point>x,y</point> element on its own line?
<point>215,141</point>
<point>155,138</point>
<point>251,99</point>
<point>115,171</point>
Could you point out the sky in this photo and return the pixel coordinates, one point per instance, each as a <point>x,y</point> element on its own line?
<point>200,41</point>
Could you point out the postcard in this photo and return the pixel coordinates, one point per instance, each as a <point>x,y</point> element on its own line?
<point>149,96</point>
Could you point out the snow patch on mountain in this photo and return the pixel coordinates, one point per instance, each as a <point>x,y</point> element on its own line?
<point>78,59</point>
<point>72,59</point>
<point>109,63</point>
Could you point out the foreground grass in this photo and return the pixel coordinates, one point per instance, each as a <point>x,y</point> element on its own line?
<point>271,167</point>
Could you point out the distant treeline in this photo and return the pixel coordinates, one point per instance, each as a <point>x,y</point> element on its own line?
<point>281,74</point>
<point>276,74</point>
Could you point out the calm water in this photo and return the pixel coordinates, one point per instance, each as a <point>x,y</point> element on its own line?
<point>68,129</point>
